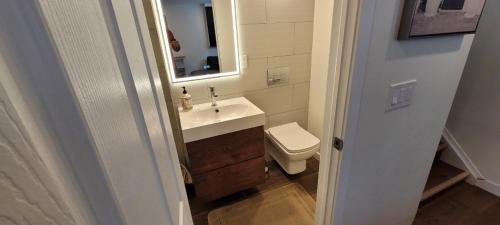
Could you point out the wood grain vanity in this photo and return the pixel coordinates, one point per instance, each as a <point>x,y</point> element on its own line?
<point>228,163</point>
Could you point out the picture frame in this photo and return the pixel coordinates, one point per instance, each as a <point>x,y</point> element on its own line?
<point>431,18</point>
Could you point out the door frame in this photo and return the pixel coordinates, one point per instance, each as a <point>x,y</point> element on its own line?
<point>341,108</point>
<point>358,29</point>
<point>343,99</point>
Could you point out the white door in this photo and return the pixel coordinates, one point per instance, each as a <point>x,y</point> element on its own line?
<point>92,69</point>
<point>29,191</point>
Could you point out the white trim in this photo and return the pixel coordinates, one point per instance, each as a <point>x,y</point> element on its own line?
<point>457,148</point>
<point>360,18</point>
<point>153,105</point>
<point>489,186</point>
<point>477,177</point>
<point>167,52</point>
<point>343,98</point>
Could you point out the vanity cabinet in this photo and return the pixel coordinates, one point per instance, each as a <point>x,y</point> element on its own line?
<point>227,163</point>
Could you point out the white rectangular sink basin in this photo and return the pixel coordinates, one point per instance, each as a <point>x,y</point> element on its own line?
<point>233,115</point>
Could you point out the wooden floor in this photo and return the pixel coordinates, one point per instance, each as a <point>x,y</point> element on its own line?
<point>276,178</point>
<point>463,204</point>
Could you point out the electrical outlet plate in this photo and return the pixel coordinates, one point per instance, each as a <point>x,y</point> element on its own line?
<point>401,95</point>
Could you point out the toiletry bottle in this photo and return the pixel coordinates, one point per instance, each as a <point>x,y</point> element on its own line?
<point>186,102</point>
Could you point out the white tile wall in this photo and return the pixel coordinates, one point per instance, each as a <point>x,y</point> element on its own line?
<point>279,11</point>
<point>300,66</point>
<point>255,76</point>
<point>272,100</point>
<point>263,40</point>
<point>299,116</point>
<point>303,37</point>
<point>273,33</point>
<point>300,97</point>
<point>252,11</point>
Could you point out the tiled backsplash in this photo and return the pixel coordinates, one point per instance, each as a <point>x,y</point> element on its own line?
<point>273,33</point>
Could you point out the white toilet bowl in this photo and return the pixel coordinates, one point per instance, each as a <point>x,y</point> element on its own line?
<point>292,146</point>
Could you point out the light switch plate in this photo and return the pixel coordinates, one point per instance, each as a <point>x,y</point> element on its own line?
<point>401,95</point>
<point>278,75</point>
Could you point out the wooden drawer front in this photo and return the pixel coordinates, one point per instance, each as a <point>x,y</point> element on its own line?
<point>227,149</point>
<point>228,180</point>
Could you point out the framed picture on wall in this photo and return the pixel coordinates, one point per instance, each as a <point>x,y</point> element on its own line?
<point>428,18</point>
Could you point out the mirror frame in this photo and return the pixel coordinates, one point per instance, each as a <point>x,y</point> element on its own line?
<point>167,52</point>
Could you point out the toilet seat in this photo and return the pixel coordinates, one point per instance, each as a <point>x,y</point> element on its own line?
<point>293,138</point>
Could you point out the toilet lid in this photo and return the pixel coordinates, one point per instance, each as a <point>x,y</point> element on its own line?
<point>293,137</point>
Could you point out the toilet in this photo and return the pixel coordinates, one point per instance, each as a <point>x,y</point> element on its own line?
<point>292,146</point>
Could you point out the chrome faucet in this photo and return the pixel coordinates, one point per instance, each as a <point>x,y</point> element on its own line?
<point>213,96</point>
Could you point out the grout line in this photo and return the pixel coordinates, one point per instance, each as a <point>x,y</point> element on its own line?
<point>298,21</point>
<point>242,93</point>
<point>280,22</point>
<point>278,56</point>
<point>294,37</point>
<point>289,111</point>
<point>267,11</point>
<point>295,54</point>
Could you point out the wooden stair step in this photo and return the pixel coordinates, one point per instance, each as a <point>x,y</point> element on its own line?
<point>442,177</point>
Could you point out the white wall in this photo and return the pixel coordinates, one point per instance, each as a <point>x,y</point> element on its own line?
<point>320,61</point>
<point>474,118</point>
<point>394,150</point>
<point>273,33</point>
<point>186,20</point>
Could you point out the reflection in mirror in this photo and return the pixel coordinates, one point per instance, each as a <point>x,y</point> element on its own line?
<point>200,38</point>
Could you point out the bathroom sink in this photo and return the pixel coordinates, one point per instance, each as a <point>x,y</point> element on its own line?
<point>208,115</point>
<point>205,121</point>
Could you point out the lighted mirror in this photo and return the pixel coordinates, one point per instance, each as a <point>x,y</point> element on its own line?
<point>200,38</point>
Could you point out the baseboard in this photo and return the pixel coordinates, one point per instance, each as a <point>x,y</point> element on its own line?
<point>457,148</point>
<point>489,186</point>
<point>476,178</point>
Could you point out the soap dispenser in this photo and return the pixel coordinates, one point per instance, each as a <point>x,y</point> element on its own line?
<point>186,101</point>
